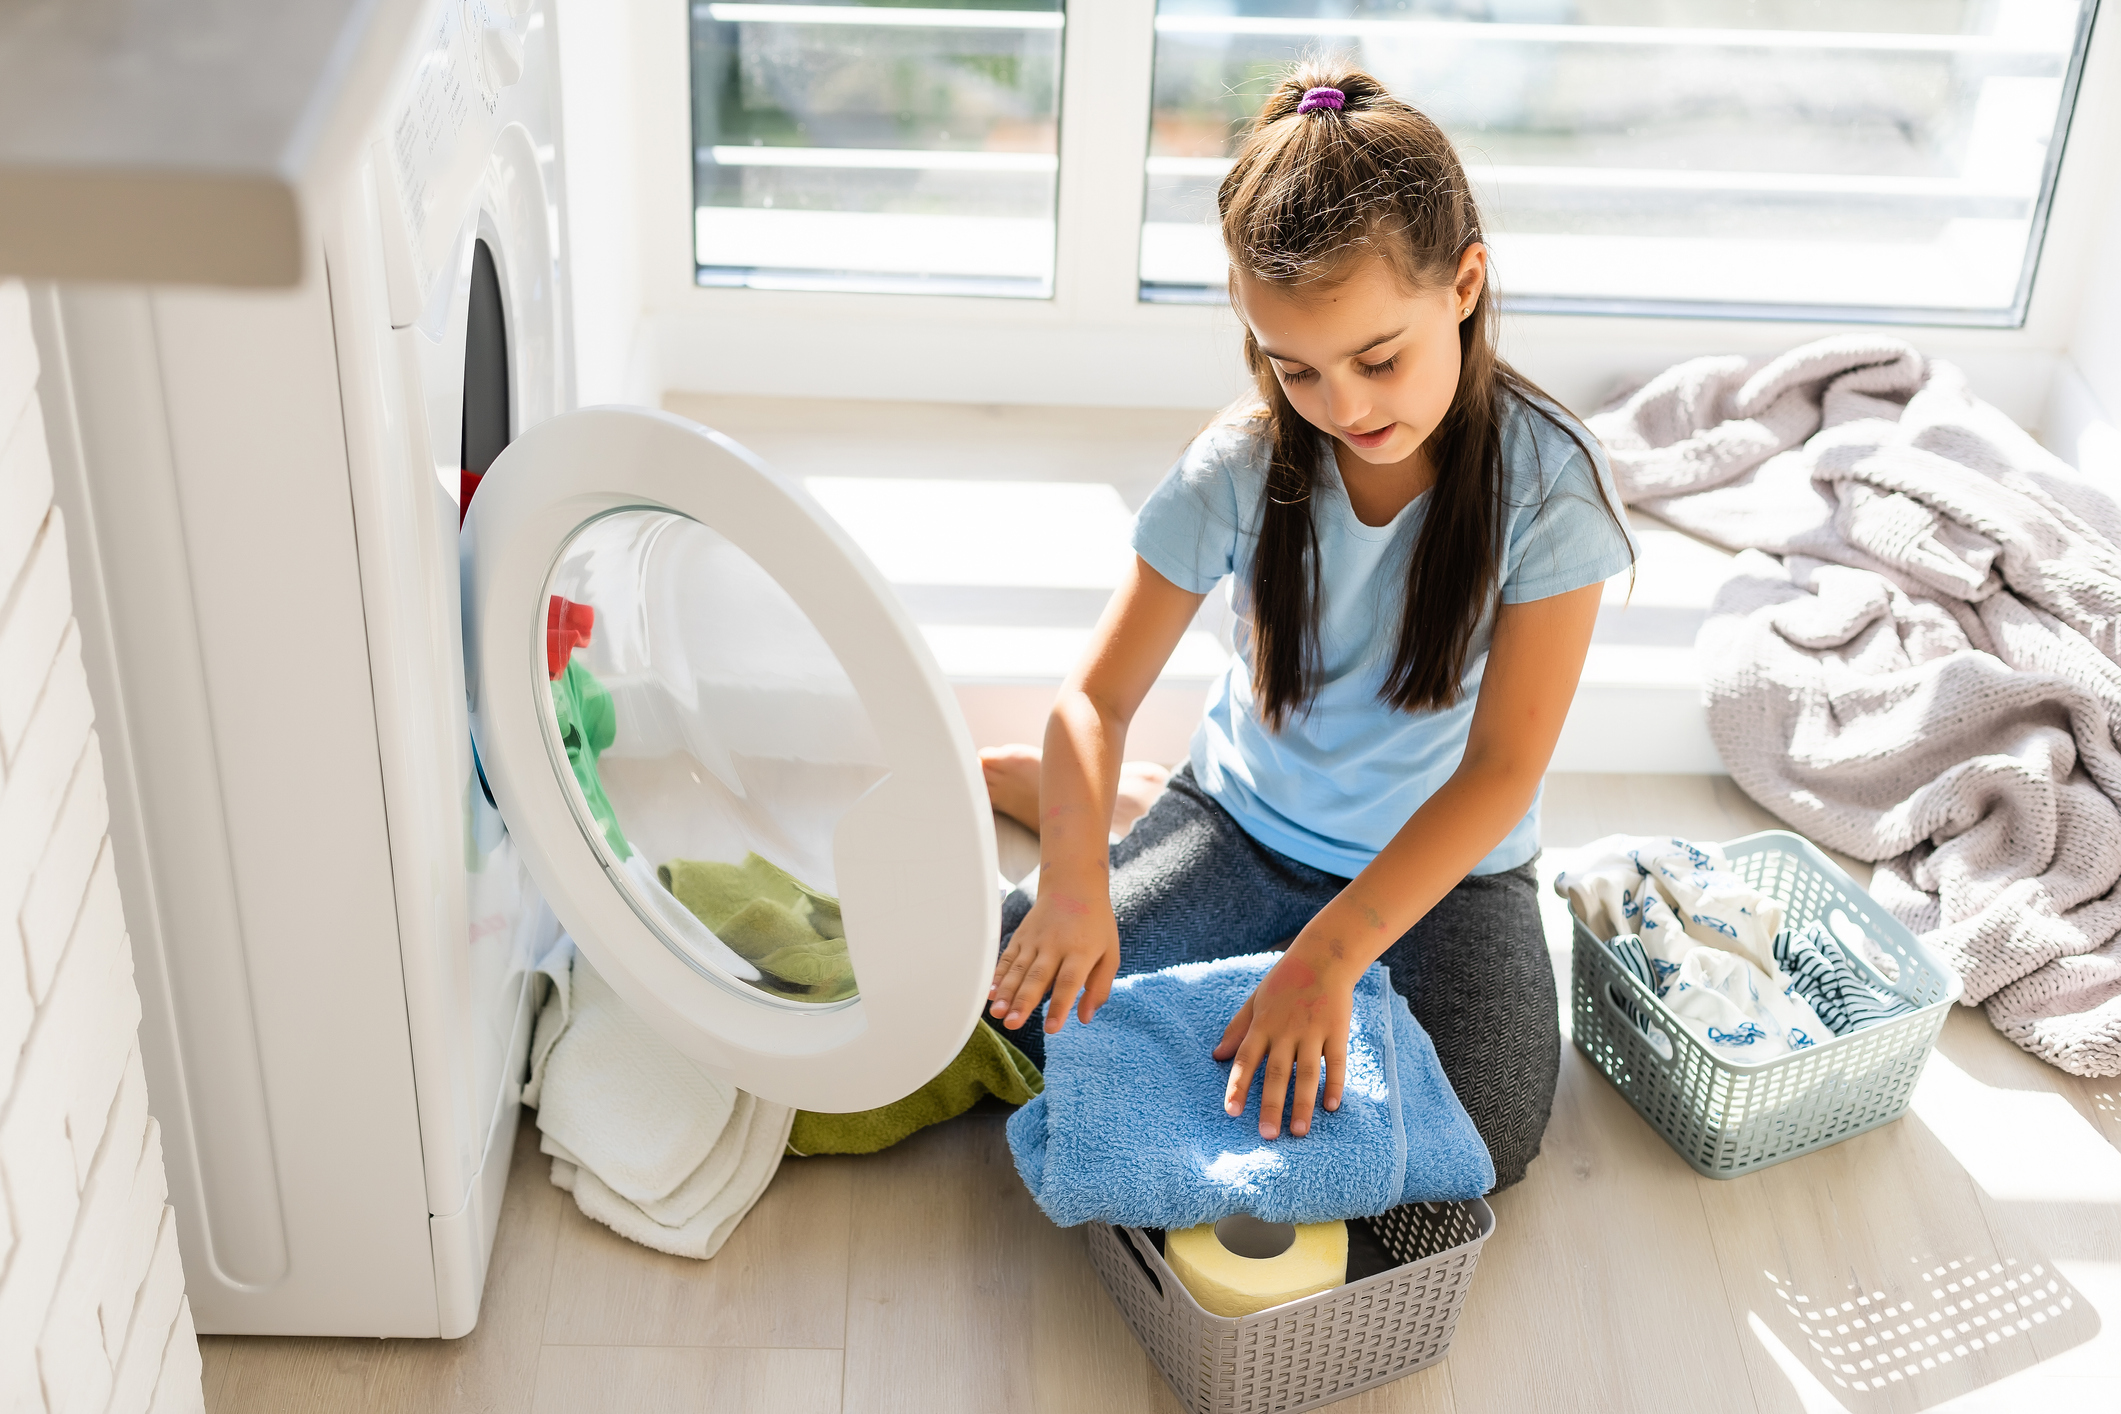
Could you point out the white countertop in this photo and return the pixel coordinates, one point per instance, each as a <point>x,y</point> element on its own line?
<point>181,141</point>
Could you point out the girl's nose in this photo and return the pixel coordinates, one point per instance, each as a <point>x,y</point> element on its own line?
<point>1345,405</point>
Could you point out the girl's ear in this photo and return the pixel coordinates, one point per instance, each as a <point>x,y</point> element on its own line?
<point>1472,276</point>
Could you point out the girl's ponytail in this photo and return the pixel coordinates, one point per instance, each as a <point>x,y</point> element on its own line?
<point>1317,182</point>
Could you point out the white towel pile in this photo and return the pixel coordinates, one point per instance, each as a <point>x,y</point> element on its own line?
<point>1708,935</point>
<point>650,1145</point>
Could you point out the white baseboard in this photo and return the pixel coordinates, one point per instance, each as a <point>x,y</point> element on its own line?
<point>1653,730</point>
<point>2077,426</point>
<point>1001,713</point>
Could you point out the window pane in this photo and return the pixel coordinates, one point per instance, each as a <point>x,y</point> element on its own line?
<point>877,146</point>
<point>1884,159</point>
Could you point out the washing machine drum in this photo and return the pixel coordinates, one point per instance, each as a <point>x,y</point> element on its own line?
<point>728,758</point>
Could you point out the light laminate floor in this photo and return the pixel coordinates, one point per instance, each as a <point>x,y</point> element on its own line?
<point>1966,1257</point>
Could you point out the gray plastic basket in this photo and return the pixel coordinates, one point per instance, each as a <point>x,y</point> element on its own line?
<point>1313,1351</point>
<point>1728,1117</point>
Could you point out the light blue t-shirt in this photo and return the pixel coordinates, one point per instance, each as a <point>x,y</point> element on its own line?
<point>1338,782</point>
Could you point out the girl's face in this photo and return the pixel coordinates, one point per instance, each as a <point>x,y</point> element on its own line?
<point>1366,360</point>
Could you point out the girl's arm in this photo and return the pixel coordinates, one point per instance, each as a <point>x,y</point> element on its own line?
<point>1069,941</point>
<point>1298,1018</point>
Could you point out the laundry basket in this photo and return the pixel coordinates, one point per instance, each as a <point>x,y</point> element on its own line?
<point>1416,1263</point>
<point>1728,1117</point>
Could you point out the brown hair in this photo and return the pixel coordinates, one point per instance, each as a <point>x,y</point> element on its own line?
<point>1308,192</point>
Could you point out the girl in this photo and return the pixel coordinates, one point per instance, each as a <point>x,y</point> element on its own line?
<point>1417,538</point>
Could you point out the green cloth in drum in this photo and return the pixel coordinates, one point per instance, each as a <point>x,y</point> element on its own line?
<point>588,725</point>
<point>774,921</point>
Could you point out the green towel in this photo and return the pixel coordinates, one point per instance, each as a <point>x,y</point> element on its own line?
<point>714,891</point>
<point>588,725</point>
<point>786,929</point>
<point>987,1065</point>
<point>794,936</point>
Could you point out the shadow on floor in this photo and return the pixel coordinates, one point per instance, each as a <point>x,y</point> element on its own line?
<point>1934,1319</point>
<point>1885,1277</point>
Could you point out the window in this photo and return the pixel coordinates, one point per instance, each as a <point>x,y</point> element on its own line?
<point>877,146</point>
<point>1851,159</point>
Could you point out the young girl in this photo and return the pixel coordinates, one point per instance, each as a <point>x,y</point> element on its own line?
<point>1417,538</point>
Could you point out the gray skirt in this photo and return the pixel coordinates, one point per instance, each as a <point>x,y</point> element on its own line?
<point>1189,885</point>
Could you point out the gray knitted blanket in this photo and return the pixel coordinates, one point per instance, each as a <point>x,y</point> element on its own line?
<point>1918,660</point>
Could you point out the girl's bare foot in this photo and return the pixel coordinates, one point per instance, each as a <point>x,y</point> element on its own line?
<point>1012,784</point>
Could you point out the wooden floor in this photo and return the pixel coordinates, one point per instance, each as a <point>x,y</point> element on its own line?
<point>1966,1257</point>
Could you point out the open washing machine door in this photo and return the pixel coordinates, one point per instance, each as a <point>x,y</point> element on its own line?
<point>728,759</point>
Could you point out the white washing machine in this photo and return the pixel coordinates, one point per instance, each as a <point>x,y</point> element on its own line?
<point>334,929</point>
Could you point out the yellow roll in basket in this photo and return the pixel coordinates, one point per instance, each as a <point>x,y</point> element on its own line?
<point>1241,1265</point>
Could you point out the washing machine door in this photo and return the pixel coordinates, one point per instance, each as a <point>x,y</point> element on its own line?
<point>728,758</point>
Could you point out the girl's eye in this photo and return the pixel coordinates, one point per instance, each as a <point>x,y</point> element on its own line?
<point>1379,370</point>
<point>1298,375</point>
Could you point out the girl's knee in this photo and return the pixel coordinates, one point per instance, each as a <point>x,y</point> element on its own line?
<point>1513,1137</point>
<point>1506,1080</point>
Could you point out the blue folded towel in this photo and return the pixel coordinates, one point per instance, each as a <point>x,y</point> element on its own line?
<point>1131,1126</point>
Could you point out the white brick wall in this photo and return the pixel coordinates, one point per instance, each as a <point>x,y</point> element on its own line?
<point>92,1310</point>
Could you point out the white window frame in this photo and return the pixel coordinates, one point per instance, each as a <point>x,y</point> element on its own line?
<point>1716,254</point>
<point>984,256</point>
<point>646,326</point>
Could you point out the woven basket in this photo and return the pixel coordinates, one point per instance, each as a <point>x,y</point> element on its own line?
<point>1322,1348</point>
<point>1727,1117</point>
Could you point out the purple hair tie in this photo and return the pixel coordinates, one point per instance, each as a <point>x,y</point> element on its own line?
<point>1321,98</point>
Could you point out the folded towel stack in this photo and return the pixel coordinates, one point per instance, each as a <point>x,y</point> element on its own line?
<point>1715,949</point>
<point>649,1144</point>
<point>1131,1127</point>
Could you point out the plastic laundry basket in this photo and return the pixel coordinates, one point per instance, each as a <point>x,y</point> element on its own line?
<point>1728,1117</point>
<point>1383,1325</point>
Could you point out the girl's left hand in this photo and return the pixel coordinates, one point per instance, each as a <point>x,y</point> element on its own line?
<point>1296,1021</point>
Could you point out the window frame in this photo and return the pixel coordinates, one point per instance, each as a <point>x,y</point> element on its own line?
<point>2011,317</point>
<point>1095,342</point>
<point>852,279</point>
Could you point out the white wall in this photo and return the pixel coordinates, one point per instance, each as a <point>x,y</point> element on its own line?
<point>2081,422</point>
<point>1093,343</point>
<point>613,354</point>
<point>92,1308</point>
<point>2096,349</point>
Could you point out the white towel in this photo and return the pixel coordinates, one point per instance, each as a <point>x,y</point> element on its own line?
<point>704,1183</point>
<point>702,1234</point>
<point>649,1144</point>
<point>641,1115</point>
<point>557,968</point>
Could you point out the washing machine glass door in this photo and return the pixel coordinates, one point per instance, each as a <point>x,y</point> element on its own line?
<point>728,758</point>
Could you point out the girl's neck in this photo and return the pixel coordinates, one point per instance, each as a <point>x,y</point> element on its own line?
<point>1378,493</point>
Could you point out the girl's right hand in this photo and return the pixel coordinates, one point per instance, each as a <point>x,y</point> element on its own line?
<point>1069,942</point>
